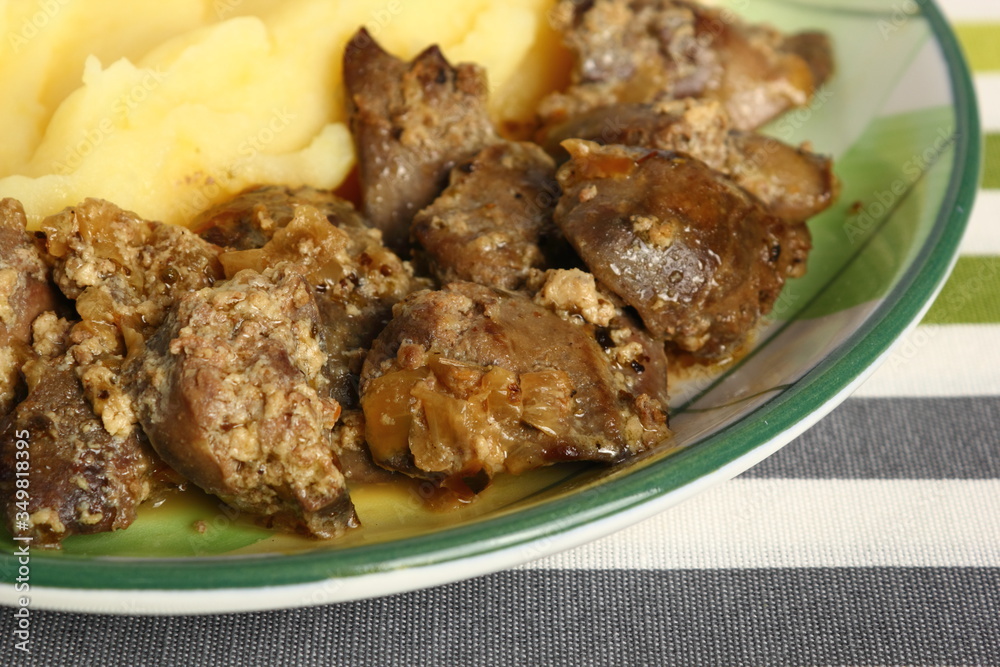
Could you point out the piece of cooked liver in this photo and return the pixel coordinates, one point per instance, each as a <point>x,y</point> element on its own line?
<point>82,479</point>
<point>577,297</point>
<point>492,222</point>
<point>115,259</point>
<point>793,183</point>
<point>25,293</point>
<point>356,280</point>
<point>412,122</point>
<point>469,381</point>
<point>697,257</point>
<point>251,218</point>
<point>634,51</point>
<point>231,393</point>
<point>124,274</point>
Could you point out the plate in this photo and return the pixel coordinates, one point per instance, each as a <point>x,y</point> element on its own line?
<point>900,119</point>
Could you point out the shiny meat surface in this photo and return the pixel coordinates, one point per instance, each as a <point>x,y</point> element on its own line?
<point>231,393</point>
<point>124,274</point>
<point>83,480</point>
<point>695,255</point>
<point>701,129</point>
<point>793,183</point>
<point>412,122</point>
<point>490,224</point>
<point>250,219</point>
<point>633,51</point>
<point>25,293</point>
<point>469,381</point>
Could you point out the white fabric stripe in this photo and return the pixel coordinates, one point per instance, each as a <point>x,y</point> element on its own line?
<point>983,235</point>
<point>940,360</point>
<point>988,92</point>
<point>810,523</point>
<point>970,10</point>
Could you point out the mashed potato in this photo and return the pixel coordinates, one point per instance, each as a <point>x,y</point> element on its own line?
<point>166,108</point>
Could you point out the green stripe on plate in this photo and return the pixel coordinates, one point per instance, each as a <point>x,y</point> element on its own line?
<point>971,295</point>
<point>981,42</point>
<point>991,163</point>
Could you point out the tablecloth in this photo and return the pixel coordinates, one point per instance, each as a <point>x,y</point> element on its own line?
<point>872,539</point>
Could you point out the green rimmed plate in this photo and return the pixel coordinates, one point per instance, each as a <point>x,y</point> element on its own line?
<point>900,119</point>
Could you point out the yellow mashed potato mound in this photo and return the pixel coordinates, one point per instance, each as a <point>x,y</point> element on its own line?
<point>166,108</point>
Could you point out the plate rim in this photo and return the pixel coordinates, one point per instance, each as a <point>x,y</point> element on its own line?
<point>720,456</point>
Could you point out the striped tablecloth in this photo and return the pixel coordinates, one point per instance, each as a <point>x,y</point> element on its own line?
<point>872,539</point>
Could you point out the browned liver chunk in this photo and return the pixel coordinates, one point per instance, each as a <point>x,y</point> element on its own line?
<point>469,381</point>
<point>124,273</point>
<point>793,183</point>
<point>82,479</point>
<point>355,278</point>
<point>25,293</point>
<point>695,255</point>
<point>231,393</point>
<point>412,122</point>
<point>648,50</point>
<point>491,223</point>
<point>251,218</point>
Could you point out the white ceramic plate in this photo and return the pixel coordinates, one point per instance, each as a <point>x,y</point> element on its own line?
<point>900,119</point>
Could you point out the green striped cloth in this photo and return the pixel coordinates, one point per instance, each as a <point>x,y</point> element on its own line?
<point>991,169</point>
<point>981,44</point>
<point>975,282</point>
